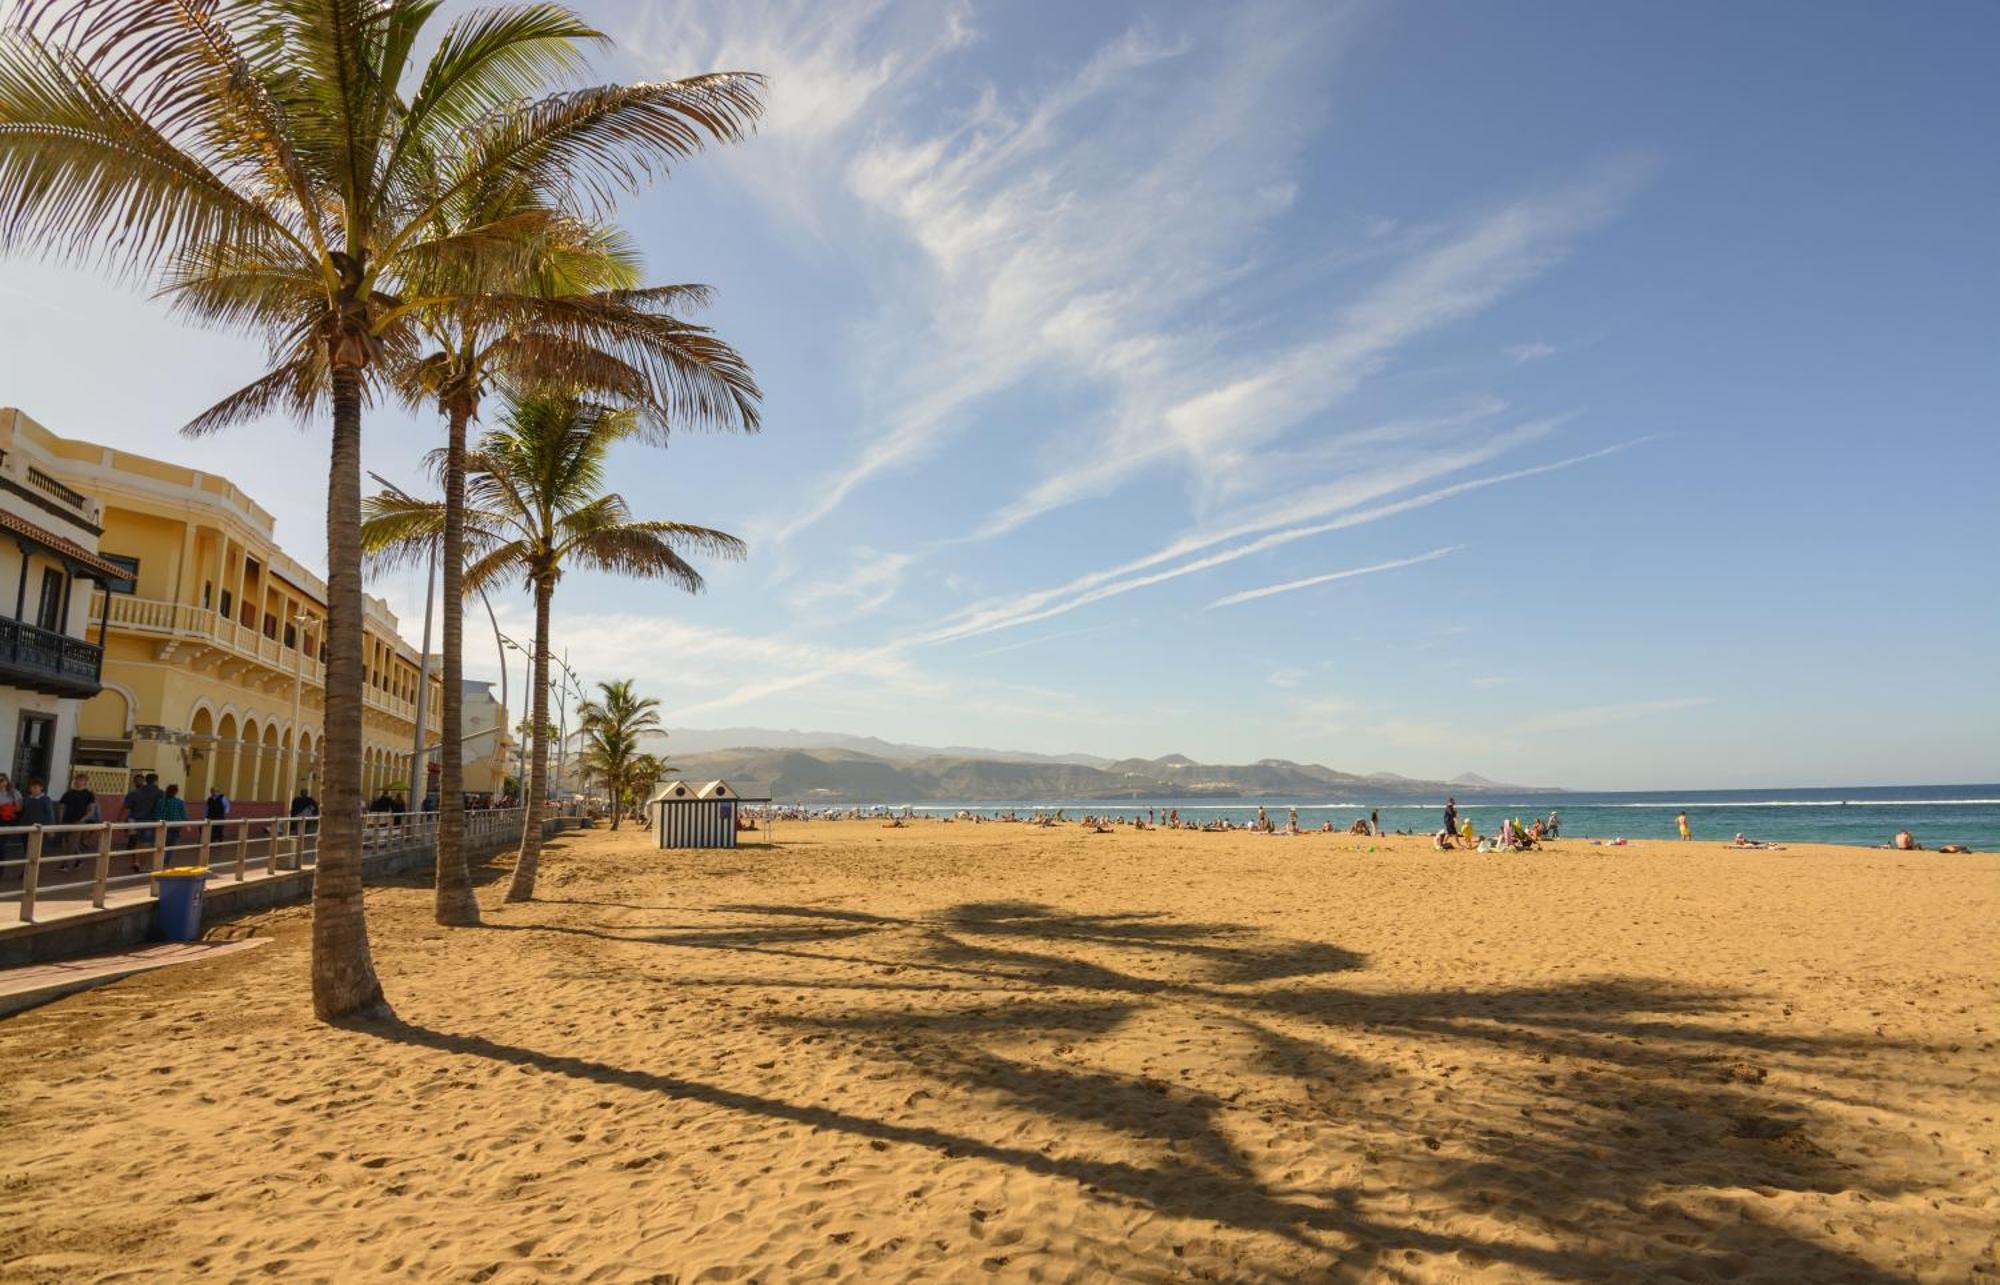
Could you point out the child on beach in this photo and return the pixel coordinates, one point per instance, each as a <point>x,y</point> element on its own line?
<point>1682,822</point>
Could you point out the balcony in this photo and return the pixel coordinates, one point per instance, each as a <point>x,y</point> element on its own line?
<point>42,660</point>
<point>180,626</point>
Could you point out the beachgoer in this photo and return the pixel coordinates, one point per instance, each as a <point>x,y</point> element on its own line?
<point>1451,815</point>
<point>37,808</point>
<point>1442,841</point>
<point>1466,832</point>
<point>1905,841</point>
<point>173,808</point>
<point>79,807</point>
<point>142,803</point>
<point>10,815</point>
<point>1682,822</point>
<point>1375,822</point>
<point>1554,827</point>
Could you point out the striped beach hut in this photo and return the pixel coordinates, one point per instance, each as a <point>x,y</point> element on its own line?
<point>691,816</point>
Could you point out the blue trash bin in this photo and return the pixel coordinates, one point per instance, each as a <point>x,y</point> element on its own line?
<point>179,913</point>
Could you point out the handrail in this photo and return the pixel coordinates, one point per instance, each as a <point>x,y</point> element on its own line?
<point>88,854</point>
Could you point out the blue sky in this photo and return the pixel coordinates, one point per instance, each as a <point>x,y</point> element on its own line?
<point>1598,395</point>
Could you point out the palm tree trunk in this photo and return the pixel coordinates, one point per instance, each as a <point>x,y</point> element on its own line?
<point>522,888</point>
<point>343,973</point>
<point>455,902</point>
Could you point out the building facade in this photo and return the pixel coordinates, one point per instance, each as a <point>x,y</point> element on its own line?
<point>487,744</point>
<point>48,562</point>
<point>213,642</point>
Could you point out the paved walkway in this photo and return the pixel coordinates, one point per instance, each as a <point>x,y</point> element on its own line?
<point>33,984</point>
<point>67,893</point>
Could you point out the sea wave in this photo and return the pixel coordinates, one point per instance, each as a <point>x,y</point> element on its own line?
<point>1112,805</point>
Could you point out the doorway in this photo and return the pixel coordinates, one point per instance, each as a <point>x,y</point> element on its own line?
<point>32,749</point>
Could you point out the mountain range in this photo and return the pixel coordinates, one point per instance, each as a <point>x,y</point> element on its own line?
<point>833,767</point>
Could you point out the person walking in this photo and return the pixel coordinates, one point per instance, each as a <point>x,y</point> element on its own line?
<point>1451,816</point>
<point>1375,822</point>
<point>173,808</point>
<point>10,815</point>
<point>78,806</point>
<point>1681,822</point>
<point>142,805</point>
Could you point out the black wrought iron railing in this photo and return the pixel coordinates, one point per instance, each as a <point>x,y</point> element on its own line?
<point>33,653</point>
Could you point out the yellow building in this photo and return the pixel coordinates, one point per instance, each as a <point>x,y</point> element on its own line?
<point>212,672</point>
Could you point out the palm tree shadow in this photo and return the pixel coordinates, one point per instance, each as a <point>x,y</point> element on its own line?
<point>1642,1090</point>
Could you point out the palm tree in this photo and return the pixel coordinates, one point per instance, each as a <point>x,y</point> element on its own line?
<point>613,728</point>
<point>535,507</point>
<point>262,159</point>
<point>568,314</point>
<point>629,783</point>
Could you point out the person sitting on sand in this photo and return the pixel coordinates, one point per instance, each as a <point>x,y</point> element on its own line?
<point>1360,826</point>
<point>1442,841</point>
<point>1907,842</point>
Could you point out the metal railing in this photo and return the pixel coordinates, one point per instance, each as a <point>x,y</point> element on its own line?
<point>44,861</point>
<point>31,651</point>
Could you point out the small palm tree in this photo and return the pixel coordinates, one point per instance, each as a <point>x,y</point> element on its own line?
<point>268,162</point>
<point>613,728</point>
<point>535,507</point>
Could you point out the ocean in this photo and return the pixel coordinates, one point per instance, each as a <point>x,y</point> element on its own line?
<point>1864,816</point>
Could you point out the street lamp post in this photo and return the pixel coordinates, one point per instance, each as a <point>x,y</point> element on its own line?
<point>306,620</point>
<point>419,775</point>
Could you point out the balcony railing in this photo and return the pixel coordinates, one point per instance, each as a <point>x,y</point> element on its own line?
<point>56,490</point>
<point>46,661</point>
<point>151,616</point>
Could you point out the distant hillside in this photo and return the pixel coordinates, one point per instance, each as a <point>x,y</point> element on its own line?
<point>699,740</point>
<point>843,775</point>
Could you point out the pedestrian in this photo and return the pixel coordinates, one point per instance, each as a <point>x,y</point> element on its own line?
<point>1451,816</point>
<point>79,807</point>
<point>216,806</point>
<point>1682,822</point>
<point>142,805</point>
<point>10,815</point>
<point>1554,827</point>
<point>173,808</point>
<point>1375,822</point>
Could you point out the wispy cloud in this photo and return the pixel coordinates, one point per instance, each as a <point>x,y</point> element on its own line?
<point>1212,413</point>
<point>1289,586</point>
<point>1534,351</point>
<point>869,584</point>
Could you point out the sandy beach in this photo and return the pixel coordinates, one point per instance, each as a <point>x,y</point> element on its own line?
<point>1002,1052</point>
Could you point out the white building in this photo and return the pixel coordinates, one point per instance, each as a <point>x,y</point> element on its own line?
<point>48,664</point>
<point>483,723</point>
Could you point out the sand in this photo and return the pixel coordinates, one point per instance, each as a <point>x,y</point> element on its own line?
<point>997,1052</point>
